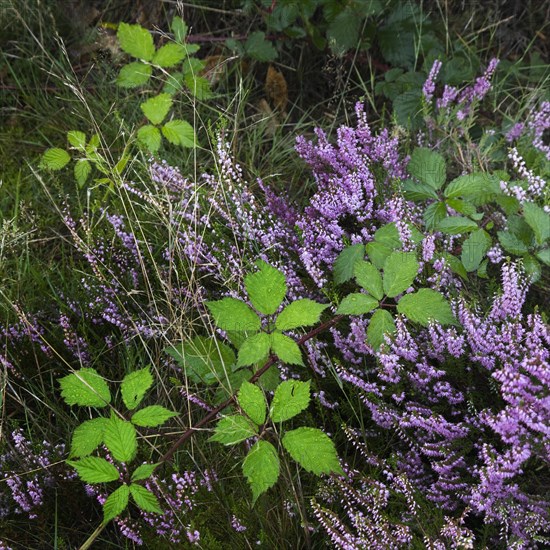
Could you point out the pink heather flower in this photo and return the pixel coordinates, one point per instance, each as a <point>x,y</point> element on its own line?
<point>538,123</point>
<point>429,86</point>
<point>515,132</point>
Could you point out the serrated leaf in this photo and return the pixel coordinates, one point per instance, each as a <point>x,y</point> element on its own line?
<point>134,74</point>
<point>235,315</point>
<point>433,214</point>
<point>369,278</point>
<point>93,469</point>
<point>270,379</point>
<point>345,262</point>
<point>544,255</point>
<point>88,437</point>
<point>134,386</point>
<point>259,48</point>
<point>253,349</point>
<point>252,401</point>
<point>511,243</point>
<point>407,108</point>
<point>400,271</point>
<point>301,313</point>
<point>343,32</point>
<point>85,388</point>
<point>428,167</point>
<point>357,303</point>
<point>136,41</point>
<point>464,207</point>
<point>82,169</point>
<point>143,472</point>
<point>454,225</point>
<point>388,235</point>
<point>532,268</point>
<point>121,439</point>
<point>470,185</point>
<point>55,158</point>
<point>169,55</point>
<point>286,349</point>
<point>152,416</point>
<point>233,429</point>
<point>266,288</point>
<point>291,398</point>
<point>145,500</point>
<point>424,306</point>
<point>474,249</point>
<point>261,468</point>
<point>156,108</point>
<point>456,265</point>
<point>116,503</point>
<point>380,324</point>
<point>313,450</point>
<point>538,220</point>
<point>173,83</point>
<point>149,136</point>
<point>180,132</point>
<point>179,28</point>
<point>77,139</point>
<point>197,85</point>
<point>378,253</point>
<point>204,359</point>
<point>417,191</point>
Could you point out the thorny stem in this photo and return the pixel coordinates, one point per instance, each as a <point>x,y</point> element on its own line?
<point>214,412</point>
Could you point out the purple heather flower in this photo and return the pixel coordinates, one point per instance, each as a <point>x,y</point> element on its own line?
<point>429,86</point>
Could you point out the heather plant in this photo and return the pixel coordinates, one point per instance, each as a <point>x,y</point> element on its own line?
<point>387,331</point>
